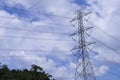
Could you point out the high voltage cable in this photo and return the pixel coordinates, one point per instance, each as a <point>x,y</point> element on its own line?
<point>60,40</point>
<point>55,15</point>
<point>86,20</point>
<point>40,56</point>
<point>71,18</point>
<point>42,50</point>
<point>42,14</point>
<point>11,36</point>
<point>45,22</point>
<point>103,31</point>
<point>105,45</point>
<point>35,55</point>
<point>38,50</point>
<point>63,51</point>
<point>89,22</point>
<point>100,41</point>
<point>33,30</point>
<point>84,69</point>
<point>69,25</point>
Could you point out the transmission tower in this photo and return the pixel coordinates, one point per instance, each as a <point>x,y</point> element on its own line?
<point>84,69</point>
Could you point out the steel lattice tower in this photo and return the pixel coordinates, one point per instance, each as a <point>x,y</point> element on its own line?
<point>84,69</point>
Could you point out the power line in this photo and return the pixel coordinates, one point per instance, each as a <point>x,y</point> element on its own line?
<point>46,14</point>
<point>34,30</point>
<point>55,15</point>
<point>42,14</point>
<point>92,37</point>
<point>71,18</point>
<point>11,36</point>
<point>85,20</point>
<point>103,31</point>
<point>65,33</point>
<point>37,50</point>
<point>47,55</point>
<point>65,17</point>
<point>69,25</point>
<point>45,22</point>
<point>35,55</point>
<point>28,50</point>
<point>105,45</point>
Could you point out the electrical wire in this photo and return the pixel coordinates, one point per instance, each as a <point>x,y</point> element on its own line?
<point>11,36</point>
<point>105,45</point>
<point>53,15</point>
<point>37,50</point>
<point>69,25</point>
<point>103,31</point>
<point>34,31</point>
<point>89,22</point>
<point>28,50</point>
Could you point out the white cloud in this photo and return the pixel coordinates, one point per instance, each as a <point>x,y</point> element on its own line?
<point>2,31</point>
<point>5,17</point>
<point>102,70</point>
<point>62,8</point>
<point>108,56</point>
<point>105,16</point>
<point>24,60</point>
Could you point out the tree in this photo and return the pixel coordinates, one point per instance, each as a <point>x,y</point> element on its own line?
<point>35,73</point>
<point>36,68</point>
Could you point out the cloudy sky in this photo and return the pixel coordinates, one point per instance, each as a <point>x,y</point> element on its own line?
<point>38,32</point>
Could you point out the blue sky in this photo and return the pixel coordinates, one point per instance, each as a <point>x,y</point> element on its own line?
<point>81,2</point>
<point>46,35</point>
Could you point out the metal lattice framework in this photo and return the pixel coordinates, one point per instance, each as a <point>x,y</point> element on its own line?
<point>84,69</point>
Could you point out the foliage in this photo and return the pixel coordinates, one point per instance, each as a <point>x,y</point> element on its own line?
<point>35,73</point>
